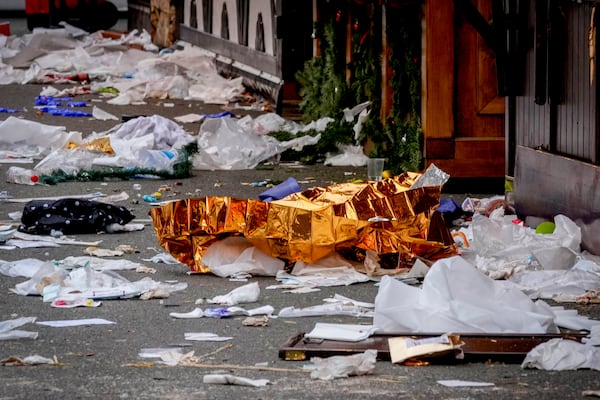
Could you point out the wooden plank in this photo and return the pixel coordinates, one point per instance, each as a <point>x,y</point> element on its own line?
<point>438,62</point>
<point>476,168</point>
<point>477,347</point>
<point>439,148</point>
<point>243,54</point>
<point>473,158</point>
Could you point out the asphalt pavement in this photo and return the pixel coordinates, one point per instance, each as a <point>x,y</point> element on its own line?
<point>103,361</point>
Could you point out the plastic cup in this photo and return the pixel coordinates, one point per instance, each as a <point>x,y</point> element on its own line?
<point>375,168</point>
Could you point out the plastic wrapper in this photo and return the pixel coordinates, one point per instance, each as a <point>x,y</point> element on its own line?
<point>344,366</point>
<point>387,216</point>
<point>562,355</point>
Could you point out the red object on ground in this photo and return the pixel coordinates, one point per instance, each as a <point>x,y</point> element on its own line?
<point>5,28</point>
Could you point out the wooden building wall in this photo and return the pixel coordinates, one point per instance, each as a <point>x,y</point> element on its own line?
<point>557,128</point>
<point>568,125</point>
<point>462,114</point>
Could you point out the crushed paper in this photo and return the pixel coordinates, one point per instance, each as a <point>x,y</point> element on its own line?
<point>344,366</point>
<point>226,379</point>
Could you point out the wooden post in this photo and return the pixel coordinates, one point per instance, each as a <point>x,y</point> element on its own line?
<point>386,69</point>
<point>438,70</point>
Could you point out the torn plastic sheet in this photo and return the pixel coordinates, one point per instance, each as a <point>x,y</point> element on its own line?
<point>26,267</point>
<point>223,144</point>
<point>559,284</point>
<point>314,275</point>
<point>145,142</point>
<point>235,254</point>
<point>271,122</point>
<point>432,177</point>
<point>140,141</point>
<point>339,307</point>
<point>563,355</point>
<point>86,282</point>
<point>456,297</point>
<point>501,248</point>
<point>343,366</point>
<point>8,329</point>
<point>29,139</point>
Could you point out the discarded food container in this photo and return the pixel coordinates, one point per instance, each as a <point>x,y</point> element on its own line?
<point>22,176</point>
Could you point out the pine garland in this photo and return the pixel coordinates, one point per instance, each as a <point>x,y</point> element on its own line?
<point>323,88</point>
<point>324,92</point>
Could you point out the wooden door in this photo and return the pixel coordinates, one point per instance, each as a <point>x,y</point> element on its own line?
<point>463,117</point>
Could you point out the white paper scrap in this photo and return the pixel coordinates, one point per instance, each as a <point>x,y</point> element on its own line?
<point>461,383</point>
<point>206,337</point>
<point>195,313</point>
<point>343,332</point>
<point>100,114</point>
<point>60,323</point>
<point>244,294</point>
<point>226,379</point>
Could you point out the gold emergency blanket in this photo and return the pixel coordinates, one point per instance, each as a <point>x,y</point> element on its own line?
<point>385,216</point>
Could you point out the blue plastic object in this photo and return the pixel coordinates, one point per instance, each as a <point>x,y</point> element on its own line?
<point>9,110</point>
<point>218,312</point>
<point>148,198</point>
<point>65,112</point>
<point>287,187</point>
<point>50,101</point>
<point>220,115</point>
<point>77,104</point>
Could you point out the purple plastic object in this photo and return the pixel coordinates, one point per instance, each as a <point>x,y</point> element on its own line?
<point>287,187</point>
